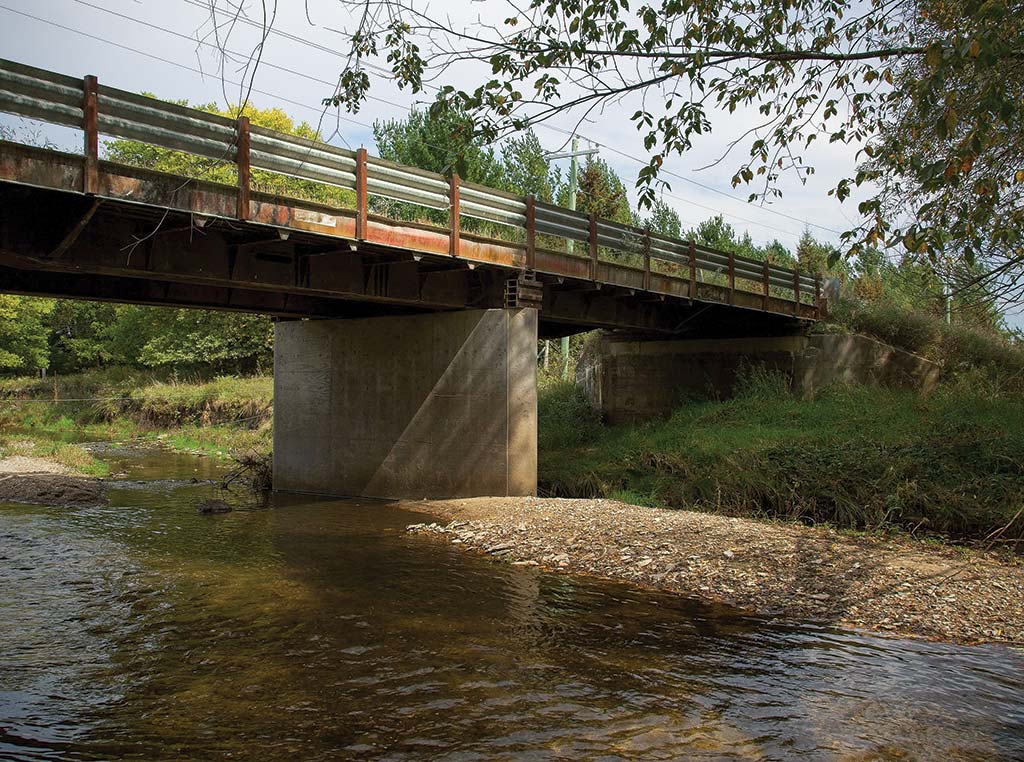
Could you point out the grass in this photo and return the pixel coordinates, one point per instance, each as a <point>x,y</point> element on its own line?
<point>855,458</point>
<point>957,348</point>
<point>66,454</point>
<point>214,416</point>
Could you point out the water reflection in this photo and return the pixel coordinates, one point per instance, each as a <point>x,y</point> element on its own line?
<point>321,630</point>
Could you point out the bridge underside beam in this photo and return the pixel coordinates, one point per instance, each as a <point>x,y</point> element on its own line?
<point>63,244</point>
<point>293,257</point>
<point>421,406</point>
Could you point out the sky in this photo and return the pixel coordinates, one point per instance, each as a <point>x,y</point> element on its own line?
<point>152,46</point>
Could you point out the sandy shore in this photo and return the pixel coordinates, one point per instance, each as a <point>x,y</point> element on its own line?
<point>37,480</point>
<point>899,587</point>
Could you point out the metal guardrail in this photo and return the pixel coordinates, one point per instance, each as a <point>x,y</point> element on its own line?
<point>83,104</point>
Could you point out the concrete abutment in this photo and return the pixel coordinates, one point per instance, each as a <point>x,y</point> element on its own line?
<point>629,378</point>
<point>418,406</point>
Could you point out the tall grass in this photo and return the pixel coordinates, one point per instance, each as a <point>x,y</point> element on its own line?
<point>958,348</point>
<point>216,416</point>
<point>566,418</point>
<point>855,457</point>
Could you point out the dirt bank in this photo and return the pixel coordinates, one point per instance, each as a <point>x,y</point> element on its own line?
<point>37,480</point>
<point>899,587</point>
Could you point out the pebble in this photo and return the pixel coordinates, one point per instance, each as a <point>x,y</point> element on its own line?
<point>785,569</point>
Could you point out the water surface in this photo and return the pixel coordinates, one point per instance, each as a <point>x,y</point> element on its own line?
<point>311,629</point>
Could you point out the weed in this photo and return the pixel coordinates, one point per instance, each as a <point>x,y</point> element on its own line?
<point>856,457</point>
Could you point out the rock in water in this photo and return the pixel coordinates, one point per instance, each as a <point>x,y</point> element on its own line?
<point>213,506</point>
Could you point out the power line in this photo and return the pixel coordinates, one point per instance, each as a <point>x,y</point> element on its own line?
<point>629,156</point>
<point>187,38</point>
<point>640,161</point>
<point>226,52</point>
<point>171,63</point>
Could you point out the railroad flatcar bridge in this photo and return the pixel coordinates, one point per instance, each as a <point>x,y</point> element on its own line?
<point>410,305</point>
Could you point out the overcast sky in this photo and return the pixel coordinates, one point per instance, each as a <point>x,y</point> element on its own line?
<point>151,45</point>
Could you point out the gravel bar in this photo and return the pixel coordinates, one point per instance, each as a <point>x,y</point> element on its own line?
<point>897,586</point>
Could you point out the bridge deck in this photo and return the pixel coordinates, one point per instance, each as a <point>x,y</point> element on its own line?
<point>79,226</point>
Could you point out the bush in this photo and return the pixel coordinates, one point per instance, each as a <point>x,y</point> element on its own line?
<point>913,331</point>
<point>856,457</point>
<point>964,348</point>
<point>758,382</point>
<point>958,348</point>
<point>564,417</point>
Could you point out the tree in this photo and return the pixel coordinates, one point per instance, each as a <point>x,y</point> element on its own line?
<point>438,140</point>
<point>183,338</point>
<point>526,170</point>
<point>819,258</point>
<point>952,156</point>
<point>24,333</point>
<point>664,220</point>
<point>602,192</point>
<point>949,73</point>
<point>79,334</point>
<point>137,154</point>
<point>223,341</point>
<point>719,234</point>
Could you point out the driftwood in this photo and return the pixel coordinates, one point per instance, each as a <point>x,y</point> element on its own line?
<point>253,470</point>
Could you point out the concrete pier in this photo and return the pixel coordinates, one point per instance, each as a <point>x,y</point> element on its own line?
<point>417,406</point>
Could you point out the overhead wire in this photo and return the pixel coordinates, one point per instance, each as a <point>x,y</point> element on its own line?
<point>178,64</point>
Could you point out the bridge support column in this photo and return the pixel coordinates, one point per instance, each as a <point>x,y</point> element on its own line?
<point>421,406</point>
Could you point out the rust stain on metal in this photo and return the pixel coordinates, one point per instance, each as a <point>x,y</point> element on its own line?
<point>414,239</point>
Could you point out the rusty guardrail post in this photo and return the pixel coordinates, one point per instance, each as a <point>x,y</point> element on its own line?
<point>90,126</point>
<point>647,259</point>
<point>693,271</point>
<point>796,292</point>
<point>765,271</point>
<point>361,197</point>
<point>732,278</point>
<point>531,232</point>
<point>593,245</point>
<point>242,160</point>
<point>453,198</point>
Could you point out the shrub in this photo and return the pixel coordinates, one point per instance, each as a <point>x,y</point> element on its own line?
<point>964,347</point>
<point>759,382</point>
<point>564,417</point>
<point>907,329</point>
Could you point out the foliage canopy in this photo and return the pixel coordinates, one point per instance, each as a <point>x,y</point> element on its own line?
<point>930,91</point>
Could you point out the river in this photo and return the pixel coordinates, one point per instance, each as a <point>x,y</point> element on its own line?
<point>307,629</point>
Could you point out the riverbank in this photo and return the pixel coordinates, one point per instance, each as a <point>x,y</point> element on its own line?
<point>896,586</point>
<point>949,466</point>
<point>55,417</point>
<point>43,481</point>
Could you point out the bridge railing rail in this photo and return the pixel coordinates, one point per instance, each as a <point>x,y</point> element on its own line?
<point>84,104</point>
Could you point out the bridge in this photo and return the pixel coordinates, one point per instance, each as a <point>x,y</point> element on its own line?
<point>409,306</point>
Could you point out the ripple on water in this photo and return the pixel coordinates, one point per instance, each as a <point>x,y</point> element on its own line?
<point>316,629</point>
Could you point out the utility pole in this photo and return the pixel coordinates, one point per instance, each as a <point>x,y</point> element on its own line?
<point>572,156</point>
<point>573,168</point>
